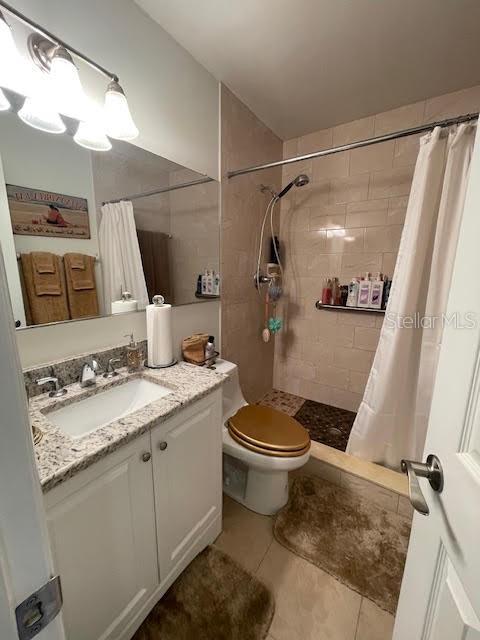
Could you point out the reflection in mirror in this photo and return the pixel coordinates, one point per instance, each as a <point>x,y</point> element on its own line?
<point>87,233</point>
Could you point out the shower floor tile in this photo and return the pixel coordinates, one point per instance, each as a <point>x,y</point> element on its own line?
<point>326,424</point>
<point>282,401</point>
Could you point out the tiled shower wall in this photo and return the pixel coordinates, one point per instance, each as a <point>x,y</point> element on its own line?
<point>244,141</point>
<point>347,221</point>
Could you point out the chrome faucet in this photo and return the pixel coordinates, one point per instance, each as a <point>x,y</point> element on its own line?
<point>54,393</point>
<point>111,372</point>
<point>88,376</point>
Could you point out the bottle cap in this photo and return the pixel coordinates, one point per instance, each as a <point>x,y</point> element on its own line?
<point>158,300</point>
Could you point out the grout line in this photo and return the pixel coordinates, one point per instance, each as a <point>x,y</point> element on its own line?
<point>265,554</point>
<point>358,618</point>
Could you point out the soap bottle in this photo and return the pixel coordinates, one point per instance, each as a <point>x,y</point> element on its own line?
<point>327,291</point>
<point>364,291</point>
<point>134,354</point>
<point>376,292</point>
<point>210,356</point>
<point>216,283</point>
<point>352,298</point>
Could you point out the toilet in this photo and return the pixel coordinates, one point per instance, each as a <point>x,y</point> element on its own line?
<point>260,446</point>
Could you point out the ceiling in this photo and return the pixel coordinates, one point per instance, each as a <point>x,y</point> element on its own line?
<point>303,65</point>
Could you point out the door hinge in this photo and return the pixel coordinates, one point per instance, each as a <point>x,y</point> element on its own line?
<point>39,609</point>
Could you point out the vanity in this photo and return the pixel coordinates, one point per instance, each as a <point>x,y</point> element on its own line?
<point>131,474</point>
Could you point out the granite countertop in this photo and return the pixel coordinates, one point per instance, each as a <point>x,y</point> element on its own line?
<point>60,456</point>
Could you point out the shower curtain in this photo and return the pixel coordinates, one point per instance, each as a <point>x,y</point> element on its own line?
<point>120,254</point>
<point>392,419</point>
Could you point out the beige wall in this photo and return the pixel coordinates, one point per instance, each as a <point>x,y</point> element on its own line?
<point>244,141</point>
<point>195,229</point>
<point>347,221</point>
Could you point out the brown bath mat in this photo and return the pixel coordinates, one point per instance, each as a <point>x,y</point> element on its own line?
<point>213,599</point>
<point>352,539</point>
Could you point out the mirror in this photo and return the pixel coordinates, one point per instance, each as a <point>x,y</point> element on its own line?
<point>84,236</point>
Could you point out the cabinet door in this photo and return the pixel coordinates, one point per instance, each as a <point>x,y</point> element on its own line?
<point>187,471</point>
<point>102,530</point>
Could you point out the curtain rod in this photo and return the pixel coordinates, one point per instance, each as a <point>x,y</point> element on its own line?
<point>355,145</point>
<point>155,192</point>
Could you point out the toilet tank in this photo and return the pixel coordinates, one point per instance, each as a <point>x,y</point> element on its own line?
<point>232,394</point>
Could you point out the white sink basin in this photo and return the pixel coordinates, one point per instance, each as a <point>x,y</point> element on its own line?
<point>84,416</point>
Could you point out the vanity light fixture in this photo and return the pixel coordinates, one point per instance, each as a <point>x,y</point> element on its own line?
<point>119,123</point>
<point>90,135</point>
<point>37,113</point>
<point>60,90</point>
<point>64,79</point>
<point>11,61</point>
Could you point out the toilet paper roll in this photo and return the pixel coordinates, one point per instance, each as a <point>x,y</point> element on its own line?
<point>122,306</point>
<point>159,335</point>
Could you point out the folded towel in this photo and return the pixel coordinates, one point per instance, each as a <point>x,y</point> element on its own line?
<point>81,277</point>
<point>44,306</point>
<point>77,261</point>
<point>43,262</point>
<point>81,287</point>
<point>46,274</point>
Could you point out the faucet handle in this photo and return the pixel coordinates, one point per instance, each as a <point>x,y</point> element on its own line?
<point>111,371</point>
<point>55,393</point>
<point>88,375</point>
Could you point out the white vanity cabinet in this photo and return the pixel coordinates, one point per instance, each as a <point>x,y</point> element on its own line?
<point>124,528</point>
<point>102,531</point>
<point>187,473</point>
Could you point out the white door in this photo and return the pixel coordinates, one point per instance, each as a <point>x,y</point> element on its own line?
<point>102,531</point>
<point>440,596</point>
<point>25,560</point>
<point>187,459</point>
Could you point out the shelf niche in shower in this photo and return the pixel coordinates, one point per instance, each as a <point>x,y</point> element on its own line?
<point>336,307</point>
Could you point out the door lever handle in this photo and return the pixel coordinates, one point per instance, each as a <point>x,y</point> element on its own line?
<point>432,470</point>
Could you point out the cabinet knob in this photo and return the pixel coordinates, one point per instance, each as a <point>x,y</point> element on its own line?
<point>146,456</point>
<point>162,446</point>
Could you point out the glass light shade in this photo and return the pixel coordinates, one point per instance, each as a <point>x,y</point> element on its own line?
<point>4,103</point>
<point>119,123</point>
<point>65,82</point>
<point>91,136</point>
<point>11,64</point>
<point>39,115</point>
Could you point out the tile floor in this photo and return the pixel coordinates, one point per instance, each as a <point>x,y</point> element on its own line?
<point>310,604</point>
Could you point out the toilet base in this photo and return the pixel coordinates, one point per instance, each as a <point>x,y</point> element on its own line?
<point>264,492</point>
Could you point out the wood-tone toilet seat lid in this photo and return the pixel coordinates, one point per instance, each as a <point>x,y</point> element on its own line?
<point>266,428</point>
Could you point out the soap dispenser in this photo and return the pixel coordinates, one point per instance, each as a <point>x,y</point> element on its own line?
<point>134,354</point>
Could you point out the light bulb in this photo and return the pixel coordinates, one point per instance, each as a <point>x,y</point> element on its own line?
<point>11,65</point>
<point>4,103</point>
<point>65,81</point>
<point>90,135</point>
<point>37,113</point>
<point>119,123</point>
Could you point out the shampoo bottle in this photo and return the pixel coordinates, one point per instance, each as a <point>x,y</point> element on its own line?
<point>376,292</point>
<point>364,292</point>
<point>352,298</point>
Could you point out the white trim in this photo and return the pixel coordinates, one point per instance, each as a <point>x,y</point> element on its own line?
<point>26,562</point>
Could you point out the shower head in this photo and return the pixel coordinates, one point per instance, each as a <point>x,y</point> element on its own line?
<point>299,181</point>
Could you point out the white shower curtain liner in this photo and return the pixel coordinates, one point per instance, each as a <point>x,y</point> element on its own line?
<point>392,419</point>
<point>120,254</point>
